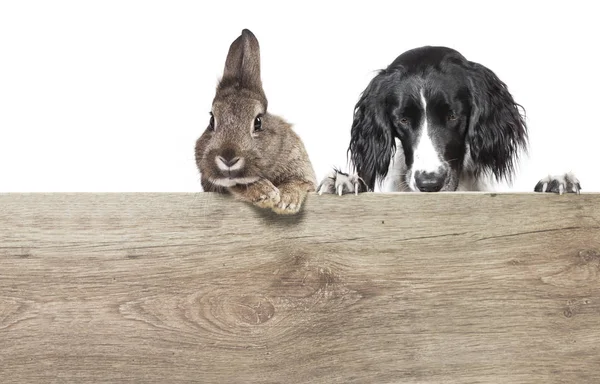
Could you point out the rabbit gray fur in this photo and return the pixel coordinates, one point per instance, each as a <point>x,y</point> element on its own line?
<point>245,150</point>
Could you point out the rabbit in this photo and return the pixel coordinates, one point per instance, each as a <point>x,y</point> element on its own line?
<point>245,150</point>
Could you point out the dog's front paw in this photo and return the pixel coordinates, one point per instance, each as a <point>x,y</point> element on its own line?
<point>559,184</point>
<point>341,183</point>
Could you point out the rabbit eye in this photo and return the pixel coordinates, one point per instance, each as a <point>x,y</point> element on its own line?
<point>258,123</point>
<point>211,123</point>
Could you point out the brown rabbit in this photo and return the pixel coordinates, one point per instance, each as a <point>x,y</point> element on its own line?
<point>247,151</point>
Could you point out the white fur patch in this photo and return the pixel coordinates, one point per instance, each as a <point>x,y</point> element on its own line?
<point>395,180</point>
<point>226,182</point>
<point>426,157</point>
<point>223,167</point>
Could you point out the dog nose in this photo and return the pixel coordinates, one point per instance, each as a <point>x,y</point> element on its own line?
<point>228,162</point>
<point>429,181</point>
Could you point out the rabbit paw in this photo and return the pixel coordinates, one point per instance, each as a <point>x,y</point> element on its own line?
<point>261,193</point>
<point>341,183</point>
<point>559,184</point>
<point>290,203</point>
<point>293,195</point>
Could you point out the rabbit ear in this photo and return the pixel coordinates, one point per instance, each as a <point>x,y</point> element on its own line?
<point>242,66</point>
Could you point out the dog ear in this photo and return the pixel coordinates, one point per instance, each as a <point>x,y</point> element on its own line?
<point>497,131</point>
<point>372,142</point>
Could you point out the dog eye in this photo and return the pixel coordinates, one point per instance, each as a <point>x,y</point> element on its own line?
<point>258,123</point>
<point>452,116</point>
<point>211,123</point>
<point>404,121</point>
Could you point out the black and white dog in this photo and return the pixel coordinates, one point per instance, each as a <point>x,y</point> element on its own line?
<point>434,121</point>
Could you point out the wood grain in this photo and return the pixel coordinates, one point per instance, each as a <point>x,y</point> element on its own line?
<point>405,288</point>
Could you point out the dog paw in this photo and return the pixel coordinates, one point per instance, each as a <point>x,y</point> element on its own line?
<point>341,183</point>
<point>559,184</point>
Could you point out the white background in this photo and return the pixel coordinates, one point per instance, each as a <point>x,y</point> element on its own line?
<point>111,95</point>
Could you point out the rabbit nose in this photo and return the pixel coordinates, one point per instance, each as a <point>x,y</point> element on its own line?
<point>229,164</point>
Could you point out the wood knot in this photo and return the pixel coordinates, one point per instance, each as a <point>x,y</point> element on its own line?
<point>576,306</point>
<point>227,310</point>
<point>252,310</point>
<point>589,256</point>
<point>304,282</point>
<point>583,271</point>
<point>301,277</point>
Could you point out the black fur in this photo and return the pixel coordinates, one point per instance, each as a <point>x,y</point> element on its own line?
<point>497,130</point>
<point>477,126</point>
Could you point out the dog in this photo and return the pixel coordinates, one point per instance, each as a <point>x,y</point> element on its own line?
<point>433,121</point>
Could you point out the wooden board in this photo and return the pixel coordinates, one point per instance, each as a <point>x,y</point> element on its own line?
<point>404,288</point>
